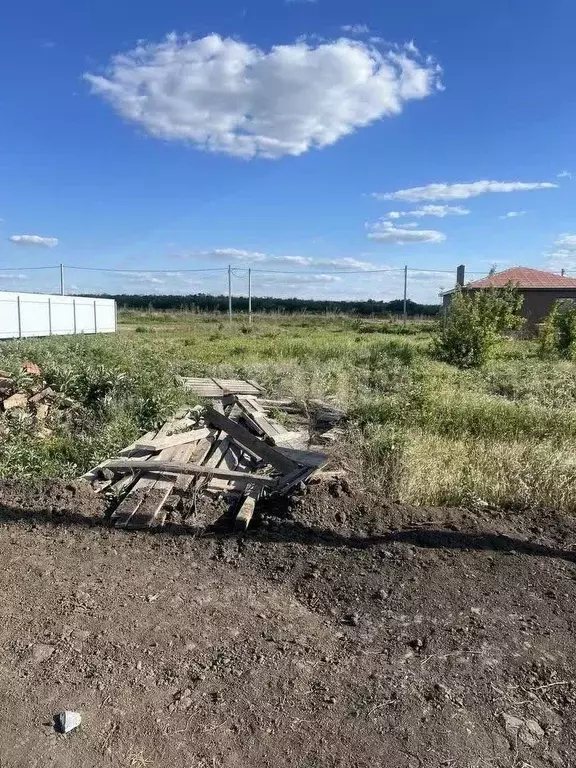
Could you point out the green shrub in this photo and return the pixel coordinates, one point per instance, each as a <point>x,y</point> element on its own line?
<point>558,332</point>
<point>474,324</point>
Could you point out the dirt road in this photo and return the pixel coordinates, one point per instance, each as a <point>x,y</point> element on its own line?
<point>341,632</point>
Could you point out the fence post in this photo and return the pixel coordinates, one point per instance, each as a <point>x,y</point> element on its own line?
<point>74,313</point>
<point>405,307</point>
<point>95,318</point>
<point>61,279</point>
<point>229,293</point>
<point>49,316</point>
<point>249,295</point>
<point>19,316</point>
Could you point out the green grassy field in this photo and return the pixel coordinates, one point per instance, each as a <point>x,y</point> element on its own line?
<point>421,431</point>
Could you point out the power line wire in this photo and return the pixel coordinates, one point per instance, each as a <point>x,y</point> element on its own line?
<point>175,272</point>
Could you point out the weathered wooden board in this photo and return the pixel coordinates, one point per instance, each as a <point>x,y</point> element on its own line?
<point>246,509</point>
<point>250,442</point>
<point>219,387</point>
<point>305,458</point>
<point>181,438</point>
<point>258,419</point>
<point>180,468</point>
<point>142,507</point>
<point>197,456</point>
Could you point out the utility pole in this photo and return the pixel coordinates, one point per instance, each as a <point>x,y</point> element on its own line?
<point>249,295</point>
<point>405,308</point>
<point>61,279</point>
<point>229,293</point>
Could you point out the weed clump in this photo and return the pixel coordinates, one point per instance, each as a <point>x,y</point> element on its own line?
<point>475,323</point>
<point>558,332</point>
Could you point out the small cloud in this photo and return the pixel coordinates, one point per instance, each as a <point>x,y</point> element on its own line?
<point>444,191</point>
<point>48,44</point>
<point>563,253</point>
<point>355,29</point>
<point>46,242</point>
<point>242,256</point>
<point>345,263</point>
<point>564,175</point>
<point>512,215</point>
<point>142,277</point>
<point>566,241</point>
<point>440,211</point>
<point>233,254</point>
<point>13,276</point>
<point>386,232</point>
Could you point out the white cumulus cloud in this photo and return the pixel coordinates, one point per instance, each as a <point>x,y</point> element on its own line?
<point>224,95</point>
<point>440,211</point>
<point>46,242</point>
<point>512,215</point>
<point>443,191</point>
<point>232,255</point>
<point>566,241</point>
<point>386,232</point>
<point>239,256</point>
<point>564,175</point>
<point>563,253</point>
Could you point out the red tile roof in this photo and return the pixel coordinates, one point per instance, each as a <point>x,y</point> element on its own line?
<point>524,277</point>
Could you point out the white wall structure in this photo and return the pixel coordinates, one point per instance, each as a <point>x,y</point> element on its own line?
<point>39,314</point>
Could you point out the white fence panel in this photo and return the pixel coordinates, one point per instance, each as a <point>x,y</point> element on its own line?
<point>9,324</point>
<point>36,314</point>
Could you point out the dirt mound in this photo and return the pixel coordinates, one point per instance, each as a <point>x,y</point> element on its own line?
<point>339,632</point>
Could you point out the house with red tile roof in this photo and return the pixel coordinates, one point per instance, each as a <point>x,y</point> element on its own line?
<point>539,288</point>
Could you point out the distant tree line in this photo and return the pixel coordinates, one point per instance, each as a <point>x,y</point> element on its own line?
<point>202,302</point>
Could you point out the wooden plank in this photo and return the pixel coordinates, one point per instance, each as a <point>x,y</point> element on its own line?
<point>249,441</point>
<point>290,481</point>
<point>231,454</point>
<point>199,453</point>
<point>257,386</point>
<point>214,460</point>
<point>305,458</point>
<point>237,386</point>
<point>181,438</point>
<point>211,387</point>
<point>143,506</point>
<point>291,440</point>
<point>166,429</point>
<point>258,418</point>
<point>144,501</point>
<point>246,510</point>
<point>158,514</point>
<point>177,468</point>
<point>253,402</point>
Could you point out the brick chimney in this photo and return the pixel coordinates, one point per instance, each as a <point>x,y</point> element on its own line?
<point>460,275</point>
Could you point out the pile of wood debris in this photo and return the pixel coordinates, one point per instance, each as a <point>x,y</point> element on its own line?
<point>233,448</point>
<point>26,394</point>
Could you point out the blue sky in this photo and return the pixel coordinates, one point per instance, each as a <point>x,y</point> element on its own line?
<point>301,136</point>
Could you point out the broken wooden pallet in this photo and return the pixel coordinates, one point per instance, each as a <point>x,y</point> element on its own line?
<point>211,451</point>
<point>218,388</point>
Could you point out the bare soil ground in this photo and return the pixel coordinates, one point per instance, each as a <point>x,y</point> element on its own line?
<point>340,631</point>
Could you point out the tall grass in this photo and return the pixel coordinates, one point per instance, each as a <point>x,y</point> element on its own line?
<point>419,431</point>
